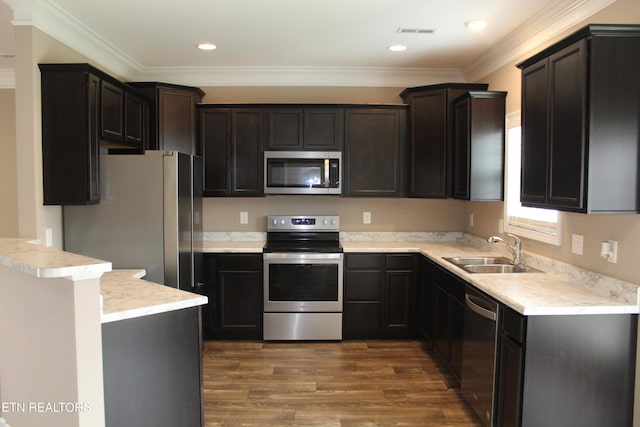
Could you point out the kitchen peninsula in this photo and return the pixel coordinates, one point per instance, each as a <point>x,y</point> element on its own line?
<point>67,361</point>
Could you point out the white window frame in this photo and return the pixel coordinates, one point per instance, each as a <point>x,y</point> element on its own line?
<point>542,230</point>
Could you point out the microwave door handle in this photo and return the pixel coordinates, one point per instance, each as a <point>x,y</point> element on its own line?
<point>326,173</point>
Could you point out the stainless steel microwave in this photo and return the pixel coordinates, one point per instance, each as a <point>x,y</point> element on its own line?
<point>302,172</point>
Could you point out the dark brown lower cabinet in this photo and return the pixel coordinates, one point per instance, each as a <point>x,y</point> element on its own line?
<point>574,370</point>
<point>379,296</point>
<point>152,369</point>
<point>445,312</point>
<point>235,297</point>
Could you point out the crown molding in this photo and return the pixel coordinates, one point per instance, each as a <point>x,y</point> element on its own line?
<point>302,76</point>
<point>542,28</point>
<point>56,22</point>
<point>7,78</point>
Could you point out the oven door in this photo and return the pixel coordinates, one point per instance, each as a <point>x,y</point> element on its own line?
<point>303,282</point>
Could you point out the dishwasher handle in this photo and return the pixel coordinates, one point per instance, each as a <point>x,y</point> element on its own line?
<point>484,312</point>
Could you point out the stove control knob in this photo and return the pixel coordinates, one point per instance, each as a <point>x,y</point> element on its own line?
<point>282,221</point>
<point>333,222</point>
<point>274,221</point>
<point>326,221</point>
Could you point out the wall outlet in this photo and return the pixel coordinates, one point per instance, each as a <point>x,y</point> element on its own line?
<point>501,226</point>
<point>577,244</point>
<point>470,220</point>
<point>244,217</point>
<point>366,217</point>
<point>48,237</point>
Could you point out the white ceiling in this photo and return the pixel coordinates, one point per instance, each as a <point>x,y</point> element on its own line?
<point>153,38</point>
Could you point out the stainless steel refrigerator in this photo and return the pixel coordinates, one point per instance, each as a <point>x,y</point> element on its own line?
<point>149,216</point>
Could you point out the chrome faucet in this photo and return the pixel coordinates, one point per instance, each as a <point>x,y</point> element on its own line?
<point>515,248</point>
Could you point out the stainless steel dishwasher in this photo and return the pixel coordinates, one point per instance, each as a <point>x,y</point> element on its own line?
<point>479,353</point>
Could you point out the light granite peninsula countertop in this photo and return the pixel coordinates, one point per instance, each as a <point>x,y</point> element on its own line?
<point>125,295</point>
<point>558,289</point>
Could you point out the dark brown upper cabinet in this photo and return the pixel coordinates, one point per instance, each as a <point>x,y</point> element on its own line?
<point>231,139</point>
<point>374,151</point>
<point>308,127</point>
<point>172,117</point>
<point>478,146</point>
<point>84,109</point>
<point>431,137</point>
<point>581,122</point>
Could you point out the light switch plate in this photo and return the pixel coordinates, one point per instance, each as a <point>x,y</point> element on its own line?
<point>577,244</point>
<point>244,217</point>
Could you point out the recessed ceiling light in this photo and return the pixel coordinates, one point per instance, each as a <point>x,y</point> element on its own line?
<point>397,48</point>
<point>476,24</point>
<point>206,46</point>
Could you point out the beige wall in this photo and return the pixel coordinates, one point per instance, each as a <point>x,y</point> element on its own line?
<point>345,95</point>
<point>8,177</point>
<point>595,228</point>
<point>387,214</point>
<point>33,47</point>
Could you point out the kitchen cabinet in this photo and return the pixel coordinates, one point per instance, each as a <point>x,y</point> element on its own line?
<point>83,109</point>
<point>374,151</point>
<point>431,137</point>
<point>235,289</point>
<point>478,146</point>
<point>581,122</point>
<point>172,116</point>
<point>231,140</point>
<point>449,317</point>
<point>379,296</point>
<point>308,127</point>
<point>565,370</point>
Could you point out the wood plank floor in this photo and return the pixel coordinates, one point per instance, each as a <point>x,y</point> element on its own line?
<point>346,384</point>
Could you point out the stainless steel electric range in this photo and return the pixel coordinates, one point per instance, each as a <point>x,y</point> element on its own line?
<point>303,264</point>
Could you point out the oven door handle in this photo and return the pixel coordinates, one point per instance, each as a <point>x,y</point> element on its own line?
<point>301,256</point>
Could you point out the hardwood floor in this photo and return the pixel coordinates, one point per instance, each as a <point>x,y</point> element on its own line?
<point>345,384</point>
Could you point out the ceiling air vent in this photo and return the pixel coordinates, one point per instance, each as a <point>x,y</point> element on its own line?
<point>415,30</point>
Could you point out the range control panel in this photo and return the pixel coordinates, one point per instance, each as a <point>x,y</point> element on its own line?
<point>303,223</point>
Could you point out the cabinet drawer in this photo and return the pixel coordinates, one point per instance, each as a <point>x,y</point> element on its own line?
<point>242,262</point>
<point>362,286</point>
<point>513,324</point>
<point>399,262</point>
<point>363,262</point>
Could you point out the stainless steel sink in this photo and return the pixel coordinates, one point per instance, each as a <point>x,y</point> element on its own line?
<point>479,260</point>
<point>490,265</point>
<point>498,268</point>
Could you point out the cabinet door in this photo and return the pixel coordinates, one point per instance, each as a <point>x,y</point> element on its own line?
<point>461,149</point>
<point>567,140</point>
<point>215,140</point>
<point>457,334</point>
<point>398,304</point>
<point>323,129</point>
<point>246,152</point>
<point>441,338</point>
<point>238,292</point>
<point>535,124</point>
<point>111,111</point>
<point>374,152</point>
<point>176,120</point>
<point>509,384</point>
<point>135,122</point>
<point>284,129</point>
<point>427,306</point>
<point>428,146</point>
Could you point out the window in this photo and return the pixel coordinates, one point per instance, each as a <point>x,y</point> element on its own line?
<point>544,225</point>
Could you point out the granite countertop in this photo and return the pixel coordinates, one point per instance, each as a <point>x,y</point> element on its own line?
<point>31,258</point>
<point>558,289</point>
<point>126,295</point>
